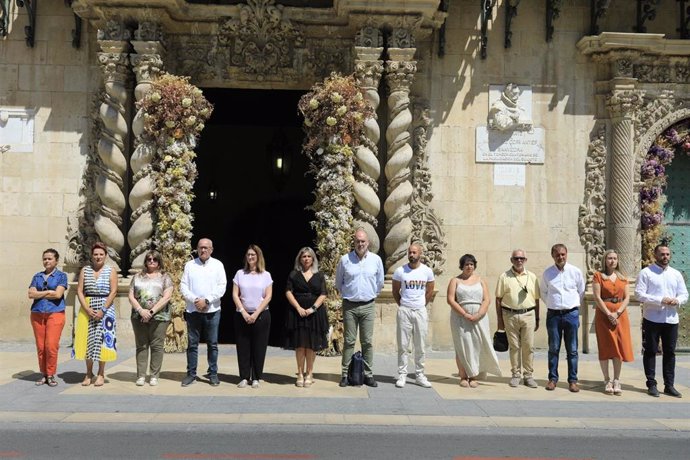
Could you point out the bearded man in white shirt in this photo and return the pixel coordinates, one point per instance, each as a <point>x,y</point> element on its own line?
<point>661,290</point>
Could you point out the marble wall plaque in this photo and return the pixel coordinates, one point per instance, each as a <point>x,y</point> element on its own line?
<point>492,146</point>
<point>507,175</point>
<point>17,129</point>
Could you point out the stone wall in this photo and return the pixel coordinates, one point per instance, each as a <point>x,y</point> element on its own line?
<point>40,189</point>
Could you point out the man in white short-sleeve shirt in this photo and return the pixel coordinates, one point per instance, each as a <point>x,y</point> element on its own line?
<point>413,286</point>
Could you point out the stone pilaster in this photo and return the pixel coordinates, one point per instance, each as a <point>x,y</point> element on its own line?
<point>111,180</point>
<point>400,70</point>
<point>622,207</point>
<point>147,65</point>
<point>368,70</point>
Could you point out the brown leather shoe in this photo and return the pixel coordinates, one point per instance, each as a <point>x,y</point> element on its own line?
<point>572,386</point>
<point>551,385</point>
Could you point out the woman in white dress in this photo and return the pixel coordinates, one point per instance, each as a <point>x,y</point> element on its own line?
<point>468,297</point>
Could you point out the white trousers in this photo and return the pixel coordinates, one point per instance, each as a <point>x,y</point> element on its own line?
<point>412,326</point>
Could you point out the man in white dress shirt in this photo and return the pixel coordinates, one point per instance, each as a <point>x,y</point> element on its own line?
<point>562,287</point>
<point>661,290</point>
<point>202,286</point>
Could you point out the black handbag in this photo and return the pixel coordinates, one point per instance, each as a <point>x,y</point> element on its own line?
<point>500,341</point>
<point>355,371</point>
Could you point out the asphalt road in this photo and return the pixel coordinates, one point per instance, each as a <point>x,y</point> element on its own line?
<point>77,441</point>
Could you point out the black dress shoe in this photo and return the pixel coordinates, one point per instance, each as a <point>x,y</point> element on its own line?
<point>671,391</point>
<point>370,382</point>
<point>344,382</point>
<point>652,391</point>
<point>188,380</point>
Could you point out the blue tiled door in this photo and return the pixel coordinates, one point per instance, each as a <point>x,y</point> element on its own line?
<point>677,220</point>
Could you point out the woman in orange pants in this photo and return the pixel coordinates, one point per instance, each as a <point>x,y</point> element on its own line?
<point>47,290</point>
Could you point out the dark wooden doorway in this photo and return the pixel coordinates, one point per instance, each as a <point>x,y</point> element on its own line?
<point>253,188</point>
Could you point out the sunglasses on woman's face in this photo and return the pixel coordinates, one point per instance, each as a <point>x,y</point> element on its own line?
<point>151,259</point>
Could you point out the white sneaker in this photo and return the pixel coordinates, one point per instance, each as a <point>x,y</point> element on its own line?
<point>140,381</point>
<point>255,384</point>
<point>153,382</point>
<point>422,381</point>
<point>242,384</point>
<point>402,380</point>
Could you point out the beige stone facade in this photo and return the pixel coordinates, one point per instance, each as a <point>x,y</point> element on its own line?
<point>575,88</point>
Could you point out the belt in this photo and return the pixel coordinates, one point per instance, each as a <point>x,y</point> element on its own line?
<point>518,311</point>
<point>563,312</point>
<point>613,299</point>
<point>358,302</point>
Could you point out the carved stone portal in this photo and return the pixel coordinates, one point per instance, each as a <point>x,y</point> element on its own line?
<point>639,104</point>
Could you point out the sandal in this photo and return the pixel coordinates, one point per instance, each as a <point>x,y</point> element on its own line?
<point>300,381</point>
<point>473,383</point>
<point>609,388</point>
<point>617,388</point>
<point>41,381</point>
<point>464,383</point>
<point>87,380</point>
<point>309,381</point>
<point>50,380</point>
<point>100,380</point>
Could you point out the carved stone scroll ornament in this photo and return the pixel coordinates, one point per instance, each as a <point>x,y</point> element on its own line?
<point>400,71</point>
<point>81,231</point>
<point>368,70</point>
<point>426,225</point>
<point>111,181</point>
<point>622,222</point>
<point>262,42</point>
<point>147,65</point>
<point>196,56</point>
<point>592,212</point>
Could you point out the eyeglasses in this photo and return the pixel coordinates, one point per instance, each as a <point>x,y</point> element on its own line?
<point>45,285</point>
<point>519,258</point>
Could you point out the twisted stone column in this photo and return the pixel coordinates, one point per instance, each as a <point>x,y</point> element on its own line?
<point>400,70</point>
<point>623,212</point>
<point>368,70</point>
<point>147,64</point>
<point>111,180</point>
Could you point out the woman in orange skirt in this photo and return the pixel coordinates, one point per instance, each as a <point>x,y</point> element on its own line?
<point>611,320</point>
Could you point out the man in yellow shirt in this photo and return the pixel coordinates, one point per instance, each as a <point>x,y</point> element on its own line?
<point>517,311</point>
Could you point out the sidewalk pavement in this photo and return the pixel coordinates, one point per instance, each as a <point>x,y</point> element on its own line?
<point>278,401</point>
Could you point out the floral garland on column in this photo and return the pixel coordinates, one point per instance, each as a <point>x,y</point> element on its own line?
<point>334,112</point>
<point>675,140</point>
<point>174,112</point>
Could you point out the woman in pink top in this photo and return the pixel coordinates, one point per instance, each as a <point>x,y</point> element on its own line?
<point>252,288</point>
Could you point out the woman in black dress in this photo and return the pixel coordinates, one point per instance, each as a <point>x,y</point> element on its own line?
<point>307,321</point>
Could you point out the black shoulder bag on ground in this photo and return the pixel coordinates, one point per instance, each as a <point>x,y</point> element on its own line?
<point>355,371</point>
<point>500,341</point>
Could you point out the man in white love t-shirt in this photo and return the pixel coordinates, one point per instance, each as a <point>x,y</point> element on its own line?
<point>413,287</point>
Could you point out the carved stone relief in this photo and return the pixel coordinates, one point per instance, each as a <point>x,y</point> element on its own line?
<point>260,42</point>
<point>592,212</point>
<point>427,227</point>
<point>81,231</point>
<point>196,56</point>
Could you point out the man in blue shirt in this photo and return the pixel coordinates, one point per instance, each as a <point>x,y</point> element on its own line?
<point>359,279</point>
